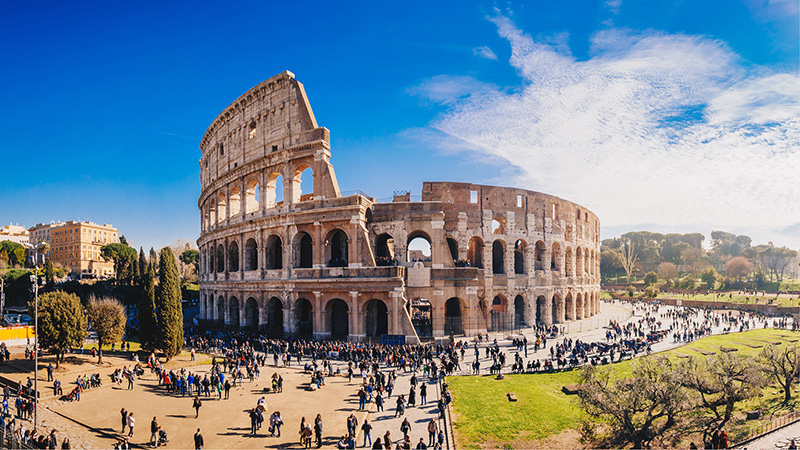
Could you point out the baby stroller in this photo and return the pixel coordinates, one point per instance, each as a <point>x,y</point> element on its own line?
<point>162,438</point>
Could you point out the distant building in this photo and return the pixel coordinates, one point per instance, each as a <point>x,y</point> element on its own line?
<point>41,232</point>
<point>15,233</point>
<point>75,246</point>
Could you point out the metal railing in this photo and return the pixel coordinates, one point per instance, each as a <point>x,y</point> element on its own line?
<point>772,425</point>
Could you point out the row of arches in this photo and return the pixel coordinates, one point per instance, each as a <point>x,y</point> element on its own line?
<point>274,321</point>
<point>247,196</point>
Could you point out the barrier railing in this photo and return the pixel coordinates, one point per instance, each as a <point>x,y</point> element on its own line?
<point>772,425</point>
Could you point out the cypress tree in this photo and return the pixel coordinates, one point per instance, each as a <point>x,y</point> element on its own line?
<point>49,275</point>
<point>142,265</point>
<point>154,260</point>
<point>147,312</point>
<point>169,311</point>
<point>137,275</point>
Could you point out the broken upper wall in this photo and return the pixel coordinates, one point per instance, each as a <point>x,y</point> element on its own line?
<point>506,203</point>
<point>268,118</point>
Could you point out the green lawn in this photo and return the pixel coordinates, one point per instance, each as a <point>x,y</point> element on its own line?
<point>735,298</point>
<point>484,416</point>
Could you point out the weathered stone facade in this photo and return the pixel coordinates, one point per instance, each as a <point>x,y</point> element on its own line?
<point>322,264</point>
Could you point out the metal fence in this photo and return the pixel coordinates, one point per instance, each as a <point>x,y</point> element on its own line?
<point>772,425</point>
<point>9,439</point>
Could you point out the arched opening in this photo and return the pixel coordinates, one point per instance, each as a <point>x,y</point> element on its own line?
<point>304,183</point>
<point>498,256</point>
<point>419,247</point>
<point>368,216</point>
<point>336,248</point>
<point>499,225</point>
<point>555,258</point>
<point>274,190</point>
<point>539,250</point>
<point>519,312</point>
<point>212,213</point>
<point>303,251</point>
<point>384,250</point>
<point>338,318</point>
<point>541,309</point>
<point>236,201</point>
<point>453,316</point>
<point>303,317</point>
<point>274,252</point>
<point>475,252</point>
<point>233,257</point>
<point>251,196</point>
<point>452,245</point>
<point>221,212</point>
<point>377,318</point>
<point>579,312</point>
<point>568,262</point>
<point>570,307</point>
<point>586,263</point>
<point>274,322</point>
<point>221,311</point>
<point>209,308</point>
<point>251,255</point>
<point>497,316</point>
<point>557,309</point>
<point>251,313</point>
<point>519,257</point>
<point>220,258</point>
<point>210,259</point>
<point>233,313</point>
<point>579,261</point>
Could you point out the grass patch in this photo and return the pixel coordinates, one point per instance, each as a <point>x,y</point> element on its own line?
<point>483,414</point>
<point>736,298</point>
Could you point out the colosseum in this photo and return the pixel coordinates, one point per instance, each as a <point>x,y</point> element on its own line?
<point>284,251</point>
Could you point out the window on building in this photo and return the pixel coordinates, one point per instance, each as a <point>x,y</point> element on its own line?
<point>473,196</point>
<point>519,201</point>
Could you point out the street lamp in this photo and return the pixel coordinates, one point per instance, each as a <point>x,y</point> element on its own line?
<point>35,281</point>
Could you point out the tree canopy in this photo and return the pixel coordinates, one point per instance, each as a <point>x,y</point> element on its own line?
<point>169,310</point>
<point>107,317</point>
<point>123,256</point>
<point>12,253</point>
<point>62,324</point>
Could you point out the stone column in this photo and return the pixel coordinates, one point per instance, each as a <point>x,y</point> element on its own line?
<point>354,316</point>
<point>318,249</point>
<point>437,313</point>
<point>320,328</point>
<point>395,322</point>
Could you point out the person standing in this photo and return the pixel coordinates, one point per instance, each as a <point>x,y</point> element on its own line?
<point>405,427</point>
<point>379,402</point>
<point>423,393</point>
<point>253,421</point>
<point>387,440</point>
<point>124,415</point>
<point>367,429</point>
<point>198,440</point>
<point>196,405</point>
<point>154,427</point>
<point>318,430</point>
<point>432,431</point>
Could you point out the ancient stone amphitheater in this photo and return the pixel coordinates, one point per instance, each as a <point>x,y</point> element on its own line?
<point>300,258</point>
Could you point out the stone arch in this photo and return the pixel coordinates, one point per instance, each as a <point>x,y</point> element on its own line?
<point>274,190</point>
<point>555,257</point>
<point>558,309</point>
<point>301,191</point>
<point>586,263</point>
<point>251,313</point>
<point>499,224</point>
<point>384,249</point>
<point>338,314</point>
<point>212,212</point>
<point>475,252</point>
<point>376,317</point>
<point>273,325</point>
<point>220,258</point>
<point>520,247</point>
<point>579,312</point>
<point>498,256</point>
<point>303,251</point>
<point>236,201</point>
<point>497,313</point>
<point>422,239</point>
<point>303,317</point>
<point>520,312</point>
<point>569,303</point>
<point>251,255</point>
<point>454,316</point>
<point>568,262</point>
<point>233,312</point>
<point>221,310</point>
<point>579,261</point>
<point>541,309</point>
<point>336,248</point>
<point>221,208</point>
<point>539,250</point>
<point>452,245</point>
<point>233,257</point>
<point>251,196</point>
<point>209,254</point>
<point>274,252</point>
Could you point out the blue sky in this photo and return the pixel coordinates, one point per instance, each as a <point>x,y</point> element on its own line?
<point>669,116</point>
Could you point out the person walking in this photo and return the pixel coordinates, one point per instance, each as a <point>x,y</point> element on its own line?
<point>154,427</point>
<point>196,405</point>
<point>379,402</point>
<point>432,431</point>
<point>198,440</point>
<point>401,405</point>
<point>318,430</point>
<point>405,427</point>
<point>387,440</point>
<point>131,423</point>
<point>367,429</point>
<point>253,421</point>
<point>423,393</point>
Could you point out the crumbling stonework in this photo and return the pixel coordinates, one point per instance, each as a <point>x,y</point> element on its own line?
<point>319,263</point>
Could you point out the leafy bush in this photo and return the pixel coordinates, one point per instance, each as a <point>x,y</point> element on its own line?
<point>651,291</point>
<point>631,290</point>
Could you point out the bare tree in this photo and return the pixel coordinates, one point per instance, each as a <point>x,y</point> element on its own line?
<point>783,366</point>
<point>737,267</point>
<point>667,271</point>
<point>629,257</point>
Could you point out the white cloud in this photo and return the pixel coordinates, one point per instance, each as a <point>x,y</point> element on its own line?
<point>484,52</point>
<point>613,5</point>
<point>653,128</point>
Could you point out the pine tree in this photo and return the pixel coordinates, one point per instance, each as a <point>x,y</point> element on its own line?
<point>142,265</point>
<point>169,310</point>
<point>147,312</point>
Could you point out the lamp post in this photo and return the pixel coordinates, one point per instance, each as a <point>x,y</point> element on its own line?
<point>35,281</point>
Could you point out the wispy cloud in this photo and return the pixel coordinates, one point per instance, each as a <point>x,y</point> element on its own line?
<point>484,52</point>
<point>613,6</point>
<point>652,128</point>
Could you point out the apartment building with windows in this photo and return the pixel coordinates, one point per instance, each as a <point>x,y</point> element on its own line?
<point>75,246</point>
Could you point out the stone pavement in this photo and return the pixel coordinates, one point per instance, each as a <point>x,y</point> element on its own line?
<point>777,439</point>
